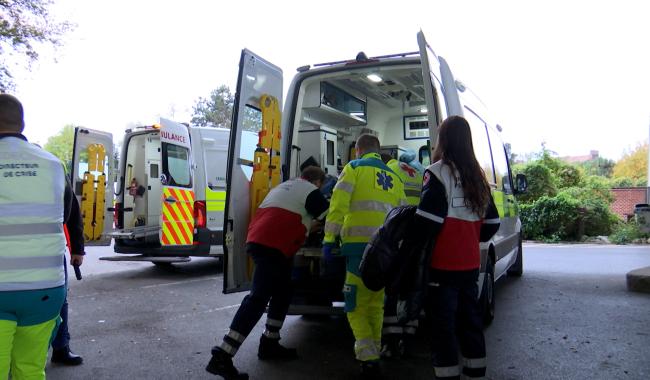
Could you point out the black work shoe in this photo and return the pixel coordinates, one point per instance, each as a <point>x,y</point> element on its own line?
<point>65,356</point>
<point>271,349</point>
<point>370,370</point>
<point>221,364</point>
<point>392,349</point>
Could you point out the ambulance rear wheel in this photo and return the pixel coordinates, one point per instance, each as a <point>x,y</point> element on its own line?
<point>517,269</point>
<point>487,294</point>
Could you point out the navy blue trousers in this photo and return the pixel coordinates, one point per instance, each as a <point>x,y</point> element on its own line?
<point>62,338</point>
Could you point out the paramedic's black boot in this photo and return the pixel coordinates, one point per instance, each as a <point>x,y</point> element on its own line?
<point>221,364</point>
<point>65,356</point>
<point>392,347</point>
<point>271,349</point>
<point>370,370</point>
<point>407,342</point>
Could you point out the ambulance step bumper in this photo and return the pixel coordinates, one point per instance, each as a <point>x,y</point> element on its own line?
<point>153,259</point>
<point>134,233</point>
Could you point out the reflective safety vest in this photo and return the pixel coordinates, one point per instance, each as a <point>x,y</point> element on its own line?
<point>32,242</point>
<point>411,178</point>
<point>366,191</point>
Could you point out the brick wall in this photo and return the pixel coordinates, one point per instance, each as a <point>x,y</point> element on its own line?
<point>626,198</point>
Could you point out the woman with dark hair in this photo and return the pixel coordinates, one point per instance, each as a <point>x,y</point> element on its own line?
<point>456,211</point>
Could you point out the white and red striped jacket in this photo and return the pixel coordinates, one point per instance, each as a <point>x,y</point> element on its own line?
<point>283,218</point>
<point>459,230</point>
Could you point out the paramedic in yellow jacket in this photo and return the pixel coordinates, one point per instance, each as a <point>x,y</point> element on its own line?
<point>366,190</point>
<point>410,171</point>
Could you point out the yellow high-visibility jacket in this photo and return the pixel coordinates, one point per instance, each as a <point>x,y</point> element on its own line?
<point>366,190</point>
<point>411,178</point>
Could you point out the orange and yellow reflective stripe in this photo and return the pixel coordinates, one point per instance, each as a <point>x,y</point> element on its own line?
<point>177,217</point>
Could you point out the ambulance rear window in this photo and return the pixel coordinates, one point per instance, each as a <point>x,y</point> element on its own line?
<point>176,165</point>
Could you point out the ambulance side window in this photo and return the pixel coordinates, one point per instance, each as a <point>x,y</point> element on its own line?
<point>176,165</point>
<point>481,144</point>
<point>500,162</point>
<point>251,125</point>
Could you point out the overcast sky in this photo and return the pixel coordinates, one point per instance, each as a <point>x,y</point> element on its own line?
<point>575,74</point>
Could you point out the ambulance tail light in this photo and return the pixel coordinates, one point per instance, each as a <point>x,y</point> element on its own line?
<point>116,215</point>
<point>200,218</point>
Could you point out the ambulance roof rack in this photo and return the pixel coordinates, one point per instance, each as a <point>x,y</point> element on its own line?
<point>362,58</point>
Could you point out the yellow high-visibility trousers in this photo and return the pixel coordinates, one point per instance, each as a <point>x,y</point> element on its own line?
<point>23,349</point>
<point>365,311</point>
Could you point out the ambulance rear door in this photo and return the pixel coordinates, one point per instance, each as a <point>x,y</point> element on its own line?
<point>92,180</point>
<point>257,78</point>
<point>436,105</point>
<point>177,203</point>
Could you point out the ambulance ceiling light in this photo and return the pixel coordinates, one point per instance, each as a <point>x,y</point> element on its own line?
<point>423,110</point>
<point>374,78</point>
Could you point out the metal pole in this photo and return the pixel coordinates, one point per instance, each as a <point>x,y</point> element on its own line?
<point>647,194</point>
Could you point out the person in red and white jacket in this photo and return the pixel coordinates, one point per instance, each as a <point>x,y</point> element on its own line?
<point>278,229</point>
<point>457,212</point>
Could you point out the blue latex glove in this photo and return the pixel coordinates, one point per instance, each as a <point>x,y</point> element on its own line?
<point>327,251</point>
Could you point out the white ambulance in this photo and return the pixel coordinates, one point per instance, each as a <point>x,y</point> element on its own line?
<point>401,99</point>
<point>164,201</point>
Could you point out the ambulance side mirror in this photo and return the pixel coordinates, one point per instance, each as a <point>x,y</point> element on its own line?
<point>521,184</point>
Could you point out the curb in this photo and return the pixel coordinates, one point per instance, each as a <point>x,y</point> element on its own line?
<point>638,280</point>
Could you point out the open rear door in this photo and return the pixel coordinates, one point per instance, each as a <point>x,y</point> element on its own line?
<point>177,205</point>
<point>91,175</point>
<point>258,81</point>
<point>436,105</point>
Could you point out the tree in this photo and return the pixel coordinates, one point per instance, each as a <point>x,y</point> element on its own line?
<point>598,166</point>
<point>633,164</point>
<point>540,181</point>
<point>25,25</point>
<point>61,145</point>
<point>216,110</point>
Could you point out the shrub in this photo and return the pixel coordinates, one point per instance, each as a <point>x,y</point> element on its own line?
<point>568,176</point>
<point>621,182</point>
<point>551,218</point>
<point>625,233</point>
<point>597,219</point>
<point>540,182</point>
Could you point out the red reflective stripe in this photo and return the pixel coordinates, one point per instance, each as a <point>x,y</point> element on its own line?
<point>176,220</point>
<point>168,227</point>
<point>180,204</point>
<point>164,239</point>
<point>183,205</point>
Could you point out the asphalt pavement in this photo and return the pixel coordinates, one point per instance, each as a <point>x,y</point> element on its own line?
<point>569,317</point>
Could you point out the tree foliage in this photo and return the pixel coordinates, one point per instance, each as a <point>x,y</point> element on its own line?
<point>62,144</point>
<point>599,166</point>
<point>633,165</point>
<point>25,25</point>
<point>215,110</point>
<point>540,181</point>
<point>562,202</point>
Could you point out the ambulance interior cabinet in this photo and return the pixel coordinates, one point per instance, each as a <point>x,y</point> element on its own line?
<point>393,150</point>
<point>319,142</point>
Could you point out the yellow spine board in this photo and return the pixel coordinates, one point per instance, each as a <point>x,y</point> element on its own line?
<point>266,160</point>
<point>100,192</point>
<point>259,179</point>
<point>87,204</point>
<point>93,196</point>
